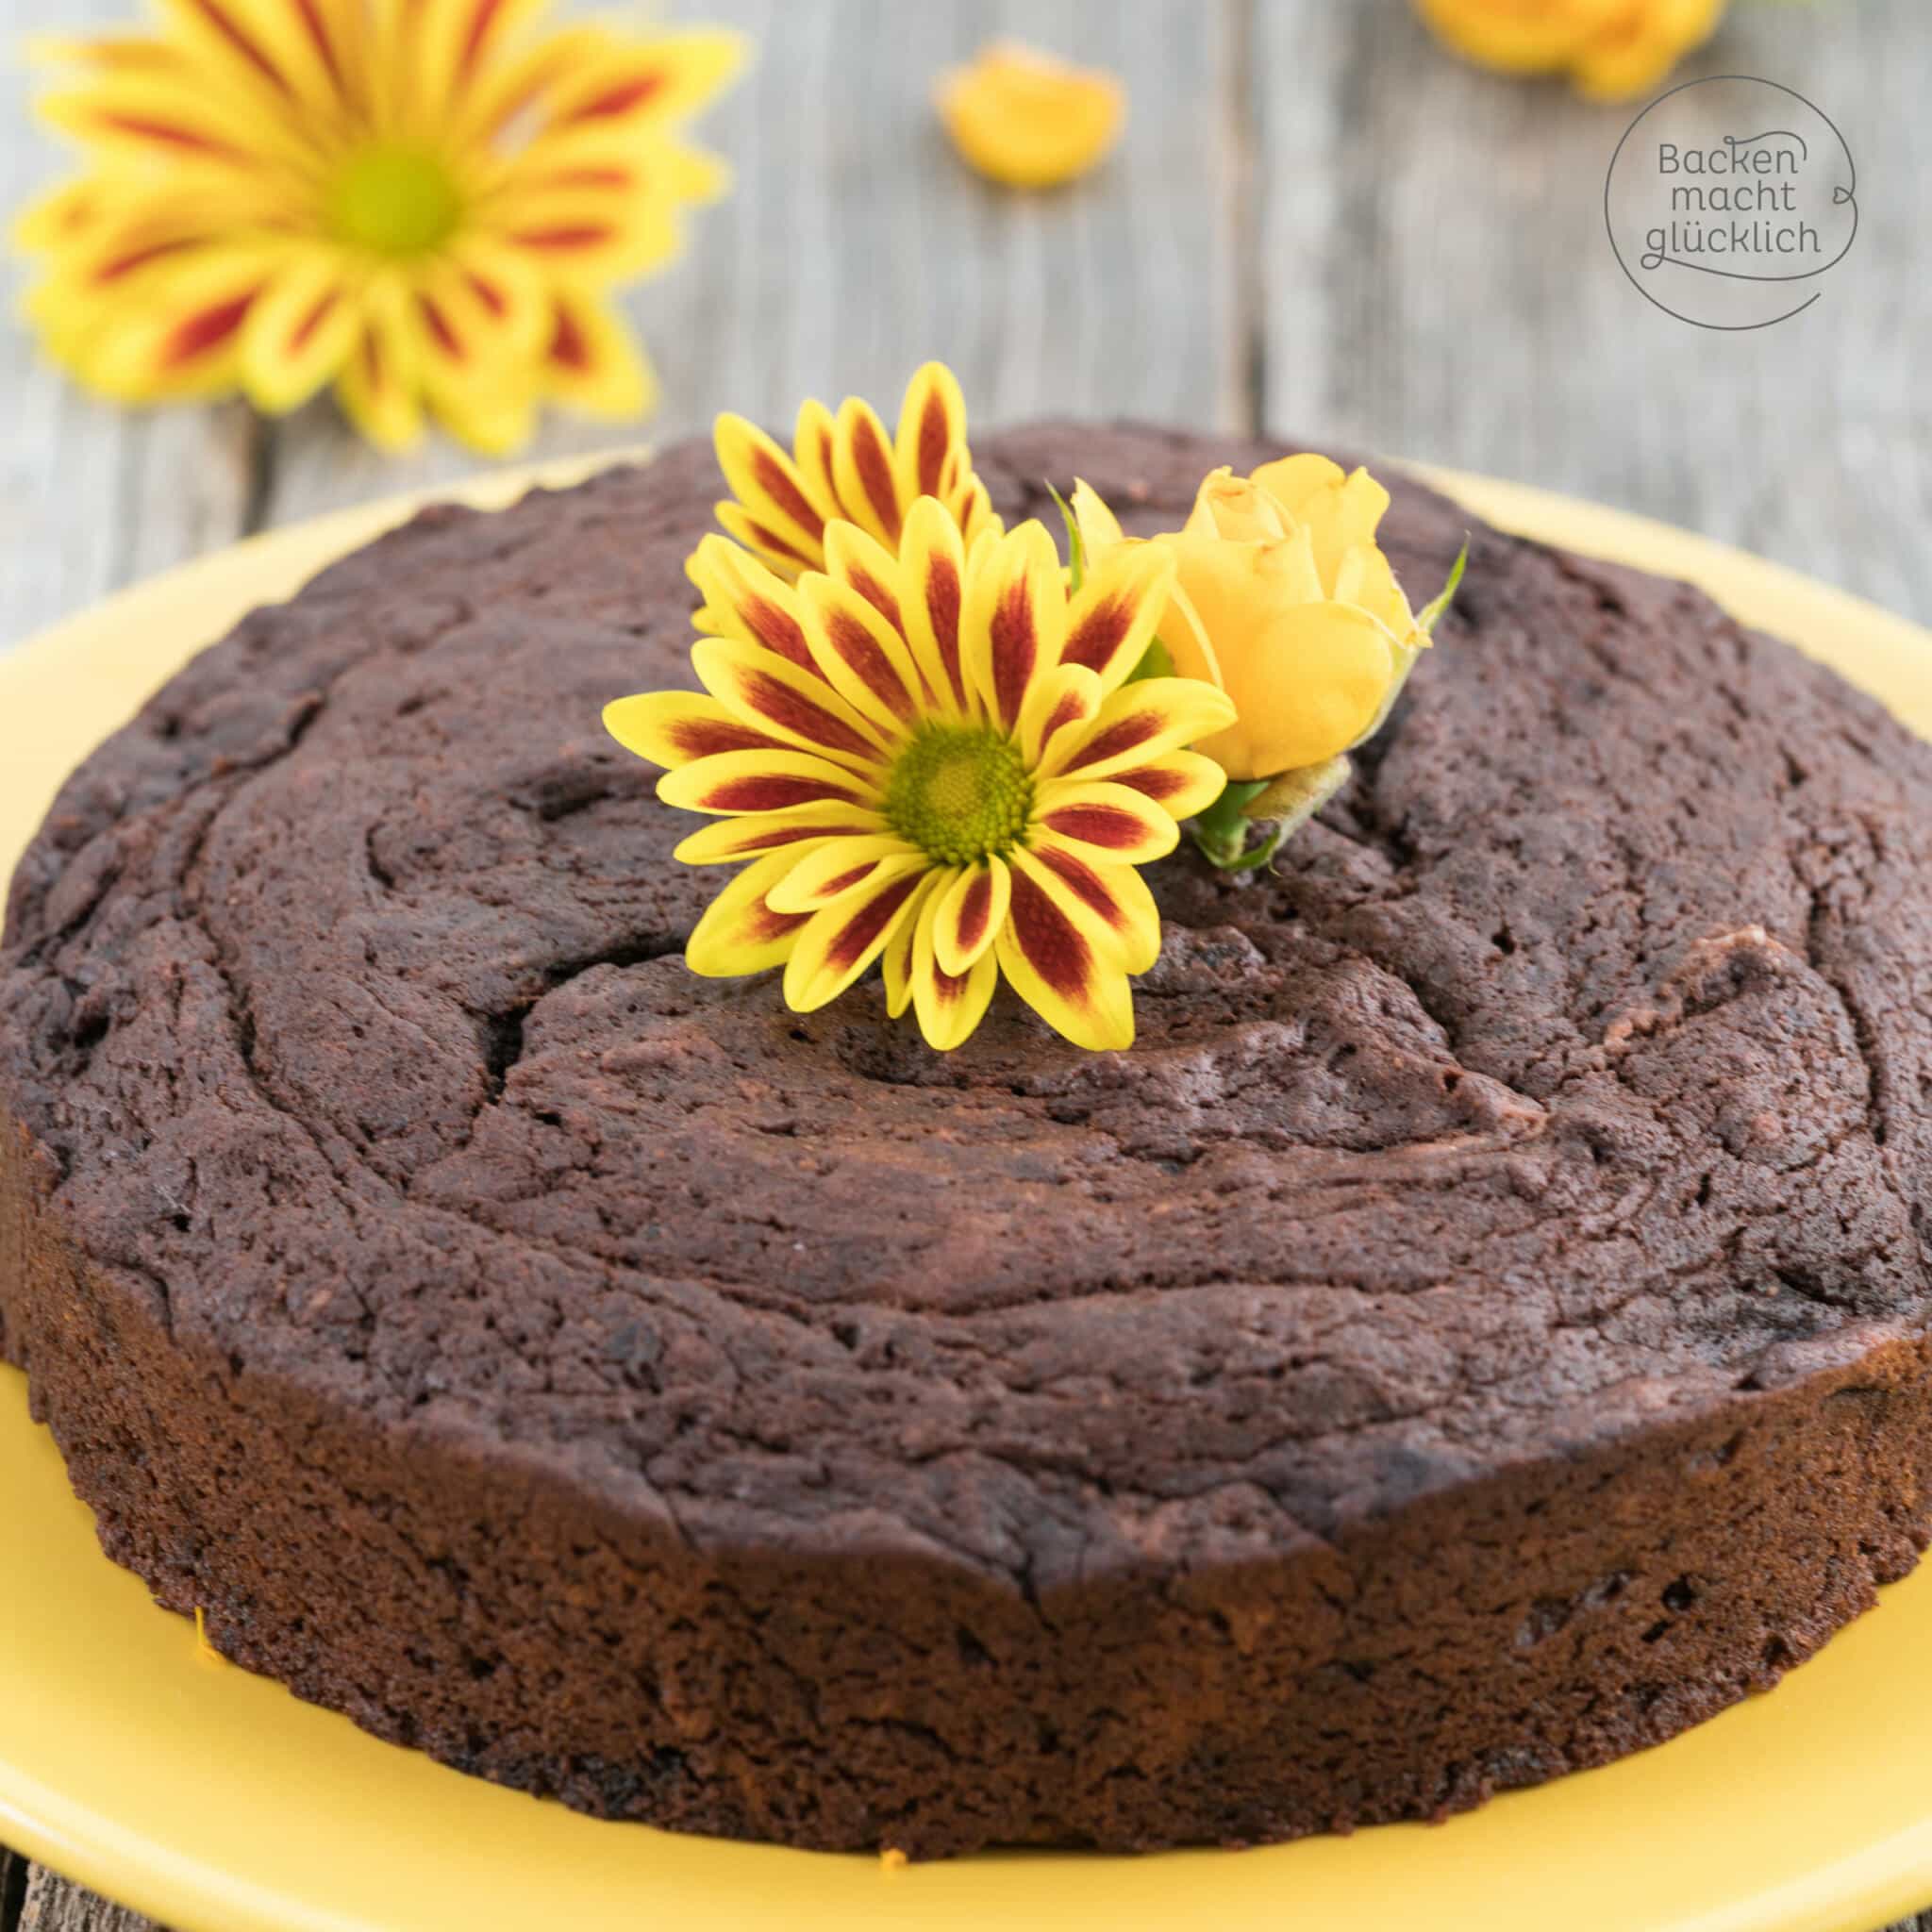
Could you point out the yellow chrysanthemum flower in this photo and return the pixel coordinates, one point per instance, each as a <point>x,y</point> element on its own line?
<point>1612,50</point>
<point>935,758</point>
<point>844,467</point>
<point>421,201</point>
<point>1026,119</point>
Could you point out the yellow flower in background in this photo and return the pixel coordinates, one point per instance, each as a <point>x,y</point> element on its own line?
<point>423,202</point>
<point>1282,597</point>
<point>1612,50</point>
<point>932,757</point>
<point>1026,119</point>
<point>844,467</point>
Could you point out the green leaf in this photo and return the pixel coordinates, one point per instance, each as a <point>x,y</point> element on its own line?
<point>1426,618</point>
<point>1156,661</point>
<point>1076,545</point>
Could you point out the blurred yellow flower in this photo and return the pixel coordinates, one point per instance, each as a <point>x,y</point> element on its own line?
<point>1284,599</point>
<point>1610,49</point>
<point>1022,117</point>
<point>421,201</point>
<point>844,468</point>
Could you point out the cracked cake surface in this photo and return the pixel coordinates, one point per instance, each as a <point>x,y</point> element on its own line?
<point>1479,1328</point>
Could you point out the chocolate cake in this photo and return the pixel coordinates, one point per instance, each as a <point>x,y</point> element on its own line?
<point>1479,1329</point>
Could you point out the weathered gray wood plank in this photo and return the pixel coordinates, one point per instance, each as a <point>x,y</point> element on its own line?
<point>1437,285</point>
<point>50,1903</point>
<point>856,245</point>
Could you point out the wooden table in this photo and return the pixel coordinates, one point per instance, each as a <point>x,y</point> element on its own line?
<point>1318,224</point>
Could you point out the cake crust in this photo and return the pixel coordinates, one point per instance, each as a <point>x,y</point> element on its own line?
<point>1479,1329</point>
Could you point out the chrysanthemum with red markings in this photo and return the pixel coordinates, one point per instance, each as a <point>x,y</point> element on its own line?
<point>421,201</point>
<point>844,467</point>
<point>938,759</point>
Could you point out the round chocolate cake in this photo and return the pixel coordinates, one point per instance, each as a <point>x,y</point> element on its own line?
<point>1478,1330</point>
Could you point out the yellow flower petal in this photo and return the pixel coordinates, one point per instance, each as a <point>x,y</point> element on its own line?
<point>844,467</point>
<point>932,576</point>
<point>1076,985</point>
<point>1340,512</point>
<point>298,333</point>
<point>793,706</point>
<point>896,963</point>
<point>381,384</point>
<point>862,471</point>
<point>1234,508</point>
<point>1182,783</point>
<point>1631,57</point>
<point>591,363</point>
<point>1539,37</point>
<point>746,600</point>
<point>741,932</point>
<point>261,52</point>
<point>731,841</point>
<point>1109,903</point>
<point>838,943</point>
<point>673,728</point>
<point>1064,699</point>
<point>1310,675</point>
<point>1141,722</point>
<point>1014,621</point>
<point>1107,821</point>
<point>1612,49</point>
<point>861,654</point>
<point>968,913</point>
<point>788,529</point>
<point>1113,616</point>
<point>664,79</point>
<point>841,866</point>
<point>929,455</point>
<point>183,338</point>
<point>949,1004</point>
<point>1100,529</point>
<point>1026,119</point>
<point>762,781</point>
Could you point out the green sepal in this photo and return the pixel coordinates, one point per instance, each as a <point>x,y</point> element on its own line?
<point>1258,856</point>
<point>1076,545</point>
<point>1426,618</point>
<point>1156,661</point>
<point>1220,832</point>
<point>1294,797</point>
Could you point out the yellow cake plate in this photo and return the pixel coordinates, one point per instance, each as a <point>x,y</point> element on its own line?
<point>215,1802</point>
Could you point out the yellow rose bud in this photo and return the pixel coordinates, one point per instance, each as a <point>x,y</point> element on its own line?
<point>1283,598</point>
<point>1026,119</point>
<point>1610,49</point>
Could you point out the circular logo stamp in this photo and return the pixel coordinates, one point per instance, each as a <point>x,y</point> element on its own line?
<point>1728,199</point>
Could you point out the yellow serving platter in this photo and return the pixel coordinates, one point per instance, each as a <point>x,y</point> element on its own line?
<point>215,1802</point>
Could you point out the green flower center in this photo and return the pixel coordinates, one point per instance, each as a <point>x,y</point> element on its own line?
<point>394,201</point>
<point>959,793</point>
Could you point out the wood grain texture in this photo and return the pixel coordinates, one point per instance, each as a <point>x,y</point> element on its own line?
<point>1316,221</point>
<point>1438,284</point>
<point>50,1903</point>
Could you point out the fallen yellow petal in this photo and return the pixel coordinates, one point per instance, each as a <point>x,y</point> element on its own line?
<point>1028,120</point>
